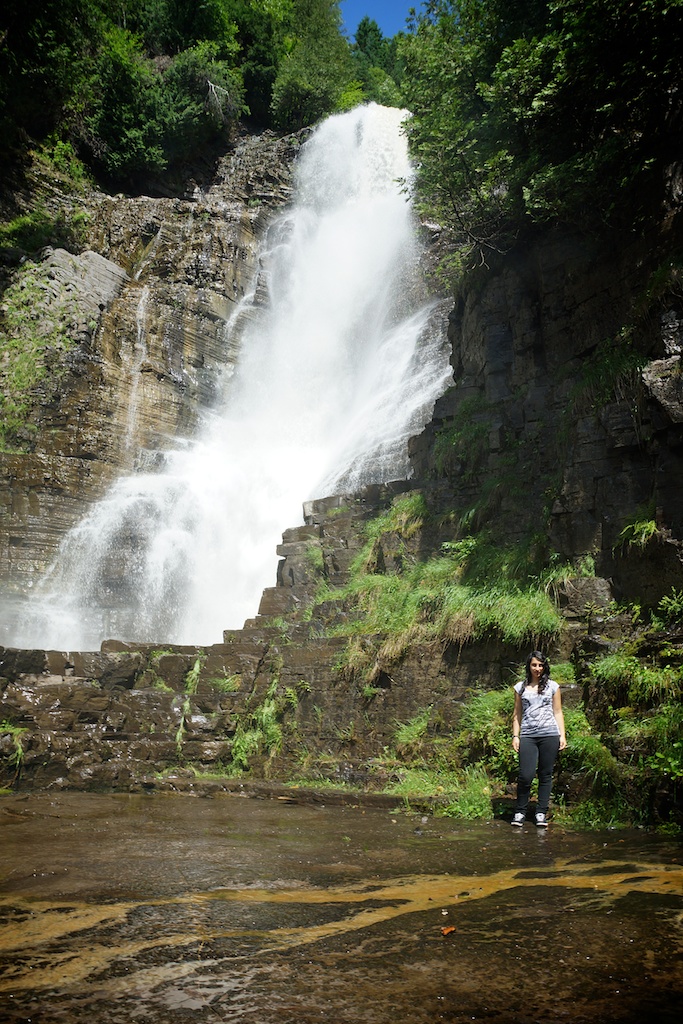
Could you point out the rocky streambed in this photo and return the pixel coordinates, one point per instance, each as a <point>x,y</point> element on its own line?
<point>165,909</point>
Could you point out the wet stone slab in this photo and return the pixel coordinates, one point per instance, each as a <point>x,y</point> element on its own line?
<point>163,909</point>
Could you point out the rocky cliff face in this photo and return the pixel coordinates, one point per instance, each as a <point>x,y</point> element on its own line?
<point>567,406</point>
<point>129,342</point>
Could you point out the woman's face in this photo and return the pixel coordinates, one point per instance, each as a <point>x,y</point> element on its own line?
<point>536,669</point>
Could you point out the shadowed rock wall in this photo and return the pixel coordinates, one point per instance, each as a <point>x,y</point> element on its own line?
<point>566,415</point>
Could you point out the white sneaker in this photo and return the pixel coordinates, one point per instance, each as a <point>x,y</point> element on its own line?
<point>541,820</point>
<point>518,819</point>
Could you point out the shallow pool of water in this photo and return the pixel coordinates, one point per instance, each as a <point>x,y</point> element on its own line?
<point>164,909</point>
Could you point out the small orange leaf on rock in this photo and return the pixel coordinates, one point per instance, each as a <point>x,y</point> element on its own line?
<point>448,929</point>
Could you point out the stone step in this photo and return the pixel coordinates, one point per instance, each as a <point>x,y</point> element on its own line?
<point>279,601</point>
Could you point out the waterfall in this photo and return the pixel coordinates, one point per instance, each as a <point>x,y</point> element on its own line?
<point>342,365</point>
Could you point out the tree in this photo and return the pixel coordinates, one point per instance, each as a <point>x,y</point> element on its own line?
<point>140,119</point>
<point>203,97</point>
<point>532,111</point>
<point>170,26</point>
<point>371,43</point>
<point>263,30</point>
<point>374,58</point>
<point>46,52</point>
<point>316,69</point>
<point>123,126</point>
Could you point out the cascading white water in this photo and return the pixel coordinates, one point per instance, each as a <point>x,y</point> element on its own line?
<point>331,381</point>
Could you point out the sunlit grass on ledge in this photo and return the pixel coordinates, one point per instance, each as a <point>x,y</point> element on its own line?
<point>471,589</point>
<point>428,603</point>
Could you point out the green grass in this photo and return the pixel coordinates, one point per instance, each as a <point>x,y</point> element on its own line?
<point>421,781</point>
<point>185,712</point>
<point>409,736</point>
<point>484,732</point>
<point>321,784</point>
<point>405,516</point>
<point>192,677</point>
<point>226,683</point>
<point>639,530</point>
<point>563,673</point>
<point>473,795</point>
<point>260,730</point>
<point>626,680</point>
<point>159,653</point>
<point>369,692</point>
<point>313,557</point>
<point>33,231</point>
<point>217,774</point>
<point>159,684</point>
<point>671,606</point>
<point>593,814</point>
<point>24,345</point>
<point>612,373</point>
<point>586,755</point>
<point>16,758</point>
<point>245,745</point>
<point>428,603</point>
<point>463,444</point>
<point>472,589</point>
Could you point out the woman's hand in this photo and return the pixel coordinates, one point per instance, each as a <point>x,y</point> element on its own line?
<point>563,741</point>
<point>515,743</point>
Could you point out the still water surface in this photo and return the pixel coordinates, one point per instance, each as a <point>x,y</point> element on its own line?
<point>169,909</point>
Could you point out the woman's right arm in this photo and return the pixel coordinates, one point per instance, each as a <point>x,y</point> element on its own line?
<point>516,721</point>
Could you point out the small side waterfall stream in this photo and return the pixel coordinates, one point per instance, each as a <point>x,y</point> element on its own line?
<point>136,361</point>
<point>334,375</point>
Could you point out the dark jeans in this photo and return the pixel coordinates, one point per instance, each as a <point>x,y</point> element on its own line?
<point>536,752</point>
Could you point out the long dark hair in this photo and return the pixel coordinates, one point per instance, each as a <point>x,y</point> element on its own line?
<point>545,675</point>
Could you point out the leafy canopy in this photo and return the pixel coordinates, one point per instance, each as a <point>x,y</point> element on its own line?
<point>136,86</point>
<point>526,111</point>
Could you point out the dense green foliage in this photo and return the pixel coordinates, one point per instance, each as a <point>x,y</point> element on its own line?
<point>528,111</point>
<point>316,67</point>
<point>524,111</point>
<point>378,68</point>
<point>137,86</point>
<point>624,759</point>
<point>96,76</point>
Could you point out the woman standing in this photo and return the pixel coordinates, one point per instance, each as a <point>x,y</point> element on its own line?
<point>537,736</point>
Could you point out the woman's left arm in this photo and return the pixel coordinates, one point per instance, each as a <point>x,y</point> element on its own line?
<point>559,717</point>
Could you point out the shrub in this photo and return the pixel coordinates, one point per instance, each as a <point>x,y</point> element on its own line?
<point>473,795</point>
<point>671,606</point>
<point>627,681</point>
<point>469,591</point>
<point>484,731</point>
<point>124,123</point>
<point>586,755</point>
<point>409,736</point>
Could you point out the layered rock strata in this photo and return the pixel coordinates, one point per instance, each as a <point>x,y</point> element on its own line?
<point>130,337</point>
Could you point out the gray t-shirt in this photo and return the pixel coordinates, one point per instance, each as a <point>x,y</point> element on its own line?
<point>537,711</point>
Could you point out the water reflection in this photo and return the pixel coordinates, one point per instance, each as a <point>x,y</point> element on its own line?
<point>170,909</point>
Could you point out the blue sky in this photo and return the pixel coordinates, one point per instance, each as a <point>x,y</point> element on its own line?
<point>390,15</point>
